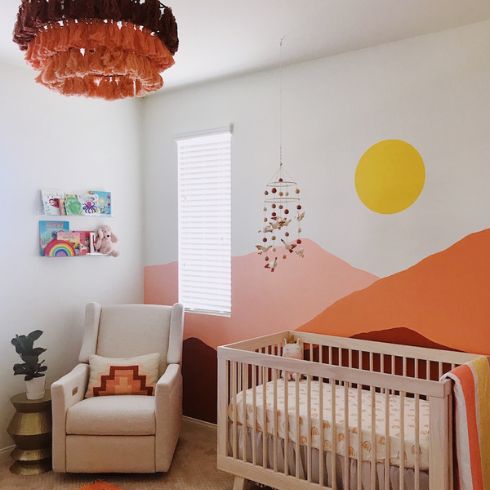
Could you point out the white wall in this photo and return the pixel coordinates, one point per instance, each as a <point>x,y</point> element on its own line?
<point>49,141</point>
<point>432,91</point>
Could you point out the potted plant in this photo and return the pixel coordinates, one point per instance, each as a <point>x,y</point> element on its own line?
<point>31,368</point>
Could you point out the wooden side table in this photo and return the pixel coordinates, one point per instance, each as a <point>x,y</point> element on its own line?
<point>31,431</point>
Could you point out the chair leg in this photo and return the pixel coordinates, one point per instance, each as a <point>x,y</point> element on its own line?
<point>241,484</point>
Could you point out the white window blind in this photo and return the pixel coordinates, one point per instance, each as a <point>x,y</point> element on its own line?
<point>204,174</point>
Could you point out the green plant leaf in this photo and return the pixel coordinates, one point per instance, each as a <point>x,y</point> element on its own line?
<point>35,335</point>
<point>21,369</point>
<point>37,351</point>
<point>42,369</point>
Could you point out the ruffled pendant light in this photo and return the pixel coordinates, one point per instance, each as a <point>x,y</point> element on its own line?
<point>111,49</point>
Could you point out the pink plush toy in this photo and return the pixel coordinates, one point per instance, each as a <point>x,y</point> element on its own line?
<point>104,240</point>
<point>293,351</point>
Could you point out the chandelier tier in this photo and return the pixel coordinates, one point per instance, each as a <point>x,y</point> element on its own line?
<point>110,49</point>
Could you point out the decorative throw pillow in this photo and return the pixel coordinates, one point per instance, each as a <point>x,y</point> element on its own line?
<point>130,376</point>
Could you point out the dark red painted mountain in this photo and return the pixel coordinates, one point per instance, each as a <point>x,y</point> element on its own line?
<point>200,371</point>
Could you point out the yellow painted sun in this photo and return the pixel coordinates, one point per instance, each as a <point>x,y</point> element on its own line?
<point>390,176</point>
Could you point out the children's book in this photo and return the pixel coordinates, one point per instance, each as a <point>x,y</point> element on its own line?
<point>48,231</point>
<point>90,204</point>
<point>103,200</point>
<point>52,202</point>
<point>84,247</point>
<point>73,205</point>
<point>92,242</point>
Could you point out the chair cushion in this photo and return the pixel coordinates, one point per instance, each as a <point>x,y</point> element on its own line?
<point>128,415</point>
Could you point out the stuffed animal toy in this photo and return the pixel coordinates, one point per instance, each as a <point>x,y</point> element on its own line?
<point>104,240</point>
<point>293,351</point>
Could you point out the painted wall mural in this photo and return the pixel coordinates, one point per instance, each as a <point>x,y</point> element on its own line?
<point>441,301</point>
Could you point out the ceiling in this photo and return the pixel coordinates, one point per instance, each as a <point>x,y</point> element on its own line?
<point>221,38</point>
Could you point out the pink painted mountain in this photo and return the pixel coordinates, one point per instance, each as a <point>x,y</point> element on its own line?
<point>265,302</point>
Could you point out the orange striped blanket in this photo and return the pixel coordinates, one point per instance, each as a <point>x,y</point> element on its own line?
<point>472,423</point>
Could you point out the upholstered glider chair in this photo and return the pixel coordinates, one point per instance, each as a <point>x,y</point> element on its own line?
<point>123,433</point>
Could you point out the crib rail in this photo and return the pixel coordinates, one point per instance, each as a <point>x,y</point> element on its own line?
<point>282,434</point>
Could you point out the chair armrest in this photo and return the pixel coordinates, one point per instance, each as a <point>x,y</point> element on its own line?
<point>168,382</point>
<point>65,392</point>
<point>71,388</point>
<point>168,415</point>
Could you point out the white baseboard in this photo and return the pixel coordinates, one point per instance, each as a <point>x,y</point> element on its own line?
<point>199,422</point>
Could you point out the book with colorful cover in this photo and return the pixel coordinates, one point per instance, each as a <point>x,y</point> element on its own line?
<point>48,232</point>
<point>90,204</point>
<point>52,202</point>
<point>85,246</point>
<point>103,200</point>
<point>73,205</point>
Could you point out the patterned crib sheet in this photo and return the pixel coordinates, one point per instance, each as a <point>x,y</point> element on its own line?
<point>353,430</point>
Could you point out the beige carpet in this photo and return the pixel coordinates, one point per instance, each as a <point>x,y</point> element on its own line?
<point>194,467</point>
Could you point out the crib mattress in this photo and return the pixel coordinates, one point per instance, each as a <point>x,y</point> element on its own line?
<point>353,433</point>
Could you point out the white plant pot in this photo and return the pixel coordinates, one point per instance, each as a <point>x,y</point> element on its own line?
<point>35,388</point>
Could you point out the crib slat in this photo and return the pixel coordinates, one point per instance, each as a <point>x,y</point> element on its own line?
<point>371,361</point>
<point>276,417</point>
<point>346,433</point>
<point>333,454</point>
<point>265,432</point>
<point>330,358</point>
<point>440,370</point>
<point>393,358</point>
<point>402,440</point>
<point>404,366</point>
<point>374,458</point>
<point>308,427</point>
<point>359,436</point>
<point>451,442</point>
<point>320,354</point>
<point>254,411</point>
<point>244,408</point>
<point>298,433</point>
<point>350,357</point>
<point>321,434</point>
<point>235,411</point>
<point>286,422</point>
<point>417,443</point>
<point>387,440</point>
<point>427,370</point>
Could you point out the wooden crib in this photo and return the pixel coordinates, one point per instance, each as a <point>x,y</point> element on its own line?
<point>354,415</point>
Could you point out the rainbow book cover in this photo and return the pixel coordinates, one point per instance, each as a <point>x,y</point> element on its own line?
<point>48,232</point>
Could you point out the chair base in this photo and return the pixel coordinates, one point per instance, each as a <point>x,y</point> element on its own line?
<point>110,454</point>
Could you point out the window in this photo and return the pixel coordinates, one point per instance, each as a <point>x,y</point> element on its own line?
<point>204,172</point>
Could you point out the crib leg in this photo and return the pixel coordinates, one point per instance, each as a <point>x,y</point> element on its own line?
<point>241,484</point>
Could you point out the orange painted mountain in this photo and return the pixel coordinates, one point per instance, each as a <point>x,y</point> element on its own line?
<point>445,297</point>
<point>265,302</point>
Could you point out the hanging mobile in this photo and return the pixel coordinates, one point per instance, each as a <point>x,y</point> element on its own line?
<point>283,211</point>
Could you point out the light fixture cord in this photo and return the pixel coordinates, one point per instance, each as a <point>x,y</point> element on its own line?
<point>281,45</point>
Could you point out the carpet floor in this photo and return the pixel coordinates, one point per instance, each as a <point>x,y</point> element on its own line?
<point>193,468</point>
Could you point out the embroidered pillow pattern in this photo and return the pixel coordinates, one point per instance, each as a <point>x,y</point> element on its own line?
<point>132,376</point>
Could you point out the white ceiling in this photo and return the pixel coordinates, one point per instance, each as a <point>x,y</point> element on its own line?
<point>224,37</point>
